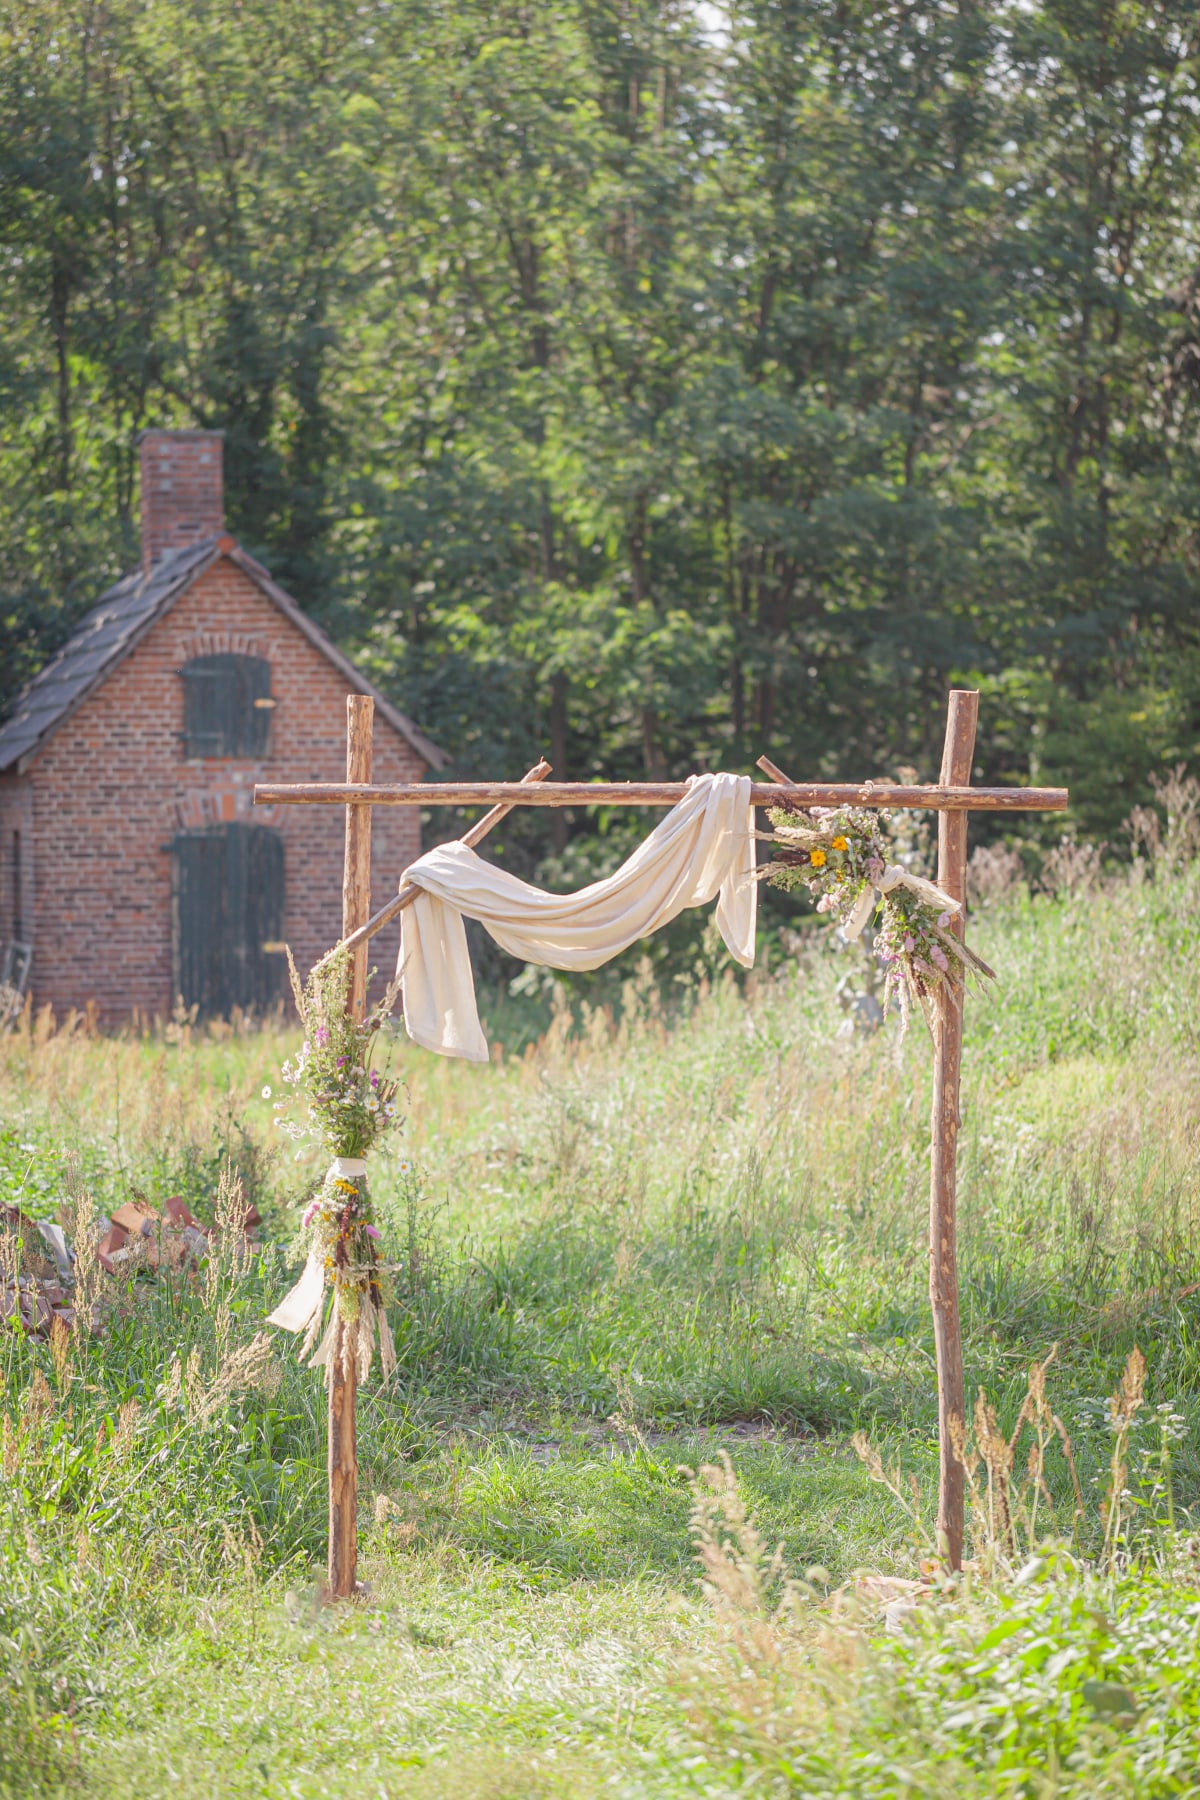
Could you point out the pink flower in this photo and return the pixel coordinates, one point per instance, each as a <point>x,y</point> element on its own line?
<point>938,955</point>
<point>910,942</point>
<point>943,920</point>
<point>373,1232</point>
<point>310,1211</point>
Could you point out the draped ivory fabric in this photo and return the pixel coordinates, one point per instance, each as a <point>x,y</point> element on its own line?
<point>703,848</point>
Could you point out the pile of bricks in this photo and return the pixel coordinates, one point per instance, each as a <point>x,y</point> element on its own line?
<point>37,1263</point>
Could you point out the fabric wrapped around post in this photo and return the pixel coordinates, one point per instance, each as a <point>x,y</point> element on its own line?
<point>895,876</point>
<point>703,849</point>
<point>357,1304</point>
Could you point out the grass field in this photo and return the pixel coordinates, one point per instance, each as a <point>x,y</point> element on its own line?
<point>633,1247</point>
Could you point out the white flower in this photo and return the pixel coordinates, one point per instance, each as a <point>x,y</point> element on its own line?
<point>405,1166</point>
<point>389,1111</point>
<point>266,1093</point>
<point>372,1104</point>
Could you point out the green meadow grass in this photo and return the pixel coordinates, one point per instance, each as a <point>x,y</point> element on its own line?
<point>699,1224</point>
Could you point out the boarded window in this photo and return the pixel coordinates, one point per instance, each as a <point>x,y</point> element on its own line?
<point>227,905</point>
<point>227,705</point>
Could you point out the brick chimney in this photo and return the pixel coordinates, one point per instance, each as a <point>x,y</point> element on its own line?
<point>183,490</point>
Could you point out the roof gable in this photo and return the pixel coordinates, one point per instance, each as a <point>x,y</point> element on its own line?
<point>122,617</point>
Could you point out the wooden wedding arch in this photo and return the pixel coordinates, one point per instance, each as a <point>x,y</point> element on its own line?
<point>952,798</point>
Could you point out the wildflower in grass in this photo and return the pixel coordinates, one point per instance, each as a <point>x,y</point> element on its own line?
<point>389,1111</point>
<point>373,1232</point>
<point>372,1104</point>
<point>266,1094</point>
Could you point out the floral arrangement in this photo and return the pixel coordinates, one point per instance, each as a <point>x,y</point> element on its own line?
<point>841,856</point>
<point>350,1108</point>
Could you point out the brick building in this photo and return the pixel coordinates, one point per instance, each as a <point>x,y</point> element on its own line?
<point>132,863</point>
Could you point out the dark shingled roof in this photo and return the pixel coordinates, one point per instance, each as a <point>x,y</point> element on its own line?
<point>123,615</point>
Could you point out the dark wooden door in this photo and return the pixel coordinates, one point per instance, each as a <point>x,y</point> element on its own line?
<point>227,894</point>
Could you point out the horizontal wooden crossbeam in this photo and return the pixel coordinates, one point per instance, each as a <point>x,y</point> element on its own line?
<point>656,793</point>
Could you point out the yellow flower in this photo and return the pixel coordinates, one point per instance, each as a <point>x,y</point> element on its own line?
<point>840,843</point>
<point>817,858</point>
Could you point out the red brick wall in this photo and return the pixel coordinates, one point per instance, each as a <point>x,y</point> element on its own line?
<point>112,787</point>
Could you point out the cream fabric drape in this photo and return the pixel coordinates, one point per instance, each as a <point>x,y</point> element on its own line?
<point>703,848</point>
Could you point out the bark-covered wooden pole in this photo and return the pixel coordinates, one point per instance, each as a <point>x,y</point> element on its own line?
<point>957,758</point>
<point>343,1373</point>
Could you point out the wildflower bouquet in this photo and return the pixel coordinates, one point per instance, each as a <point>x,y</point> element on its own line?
<point>841,857</point>
<point>350,1107</point>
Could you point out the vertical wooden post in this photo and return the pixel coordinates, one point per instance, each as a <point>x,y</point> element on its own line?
<point>343,1373</point>
<point>957,759</point>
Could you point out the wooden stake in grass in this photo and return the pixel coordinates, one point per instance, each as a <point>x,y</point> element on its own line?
<point>957,758</point>
<point>343,1371</point>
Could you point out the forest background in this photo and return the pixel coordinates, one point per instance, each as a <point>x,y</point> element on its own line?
<point>648,384</point>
